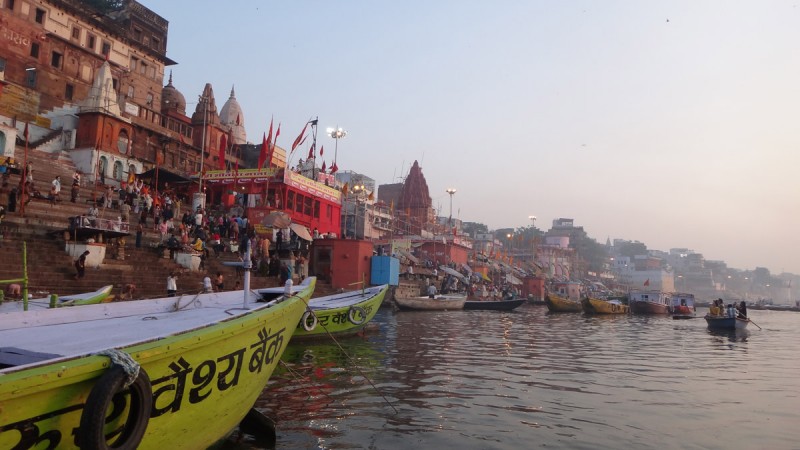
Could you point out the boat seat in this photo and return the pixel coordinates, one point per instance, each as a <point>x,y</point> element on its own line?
<point>13,356</point>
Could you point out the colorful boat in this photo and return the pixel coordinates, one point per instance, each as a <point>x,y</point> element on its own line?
<point>682,306</point>
<point>340,314</point>
<point>447,302</point>
<point>496,305</point>
<point>557,303</point>
<point>592,305</point>
<point>196,365</point>
<point>726,323</point>
<point>649,302</point>
<point>88,298</point>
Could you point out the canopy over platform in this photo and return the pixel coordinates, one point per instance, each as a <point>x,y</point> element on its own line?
<point>164,176</point>
<point>84,227</point>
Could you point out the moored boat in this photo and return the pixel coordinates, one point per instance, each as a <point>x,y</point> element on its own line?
<point>682,306</point>
<point>195,364</point>
<point>87,298</point>
<point>448,302</point>
<point>592,305</point>
<point>497,305</point>
<point>340,314</point>
<point>725,322</point>
<point>649,302</point>
<point>557,303</point>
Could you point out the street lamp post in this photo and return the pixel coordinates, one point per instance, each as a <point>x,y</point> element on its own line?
<point>336,133</point>
<point>533,238</point>
<point>450,191</point>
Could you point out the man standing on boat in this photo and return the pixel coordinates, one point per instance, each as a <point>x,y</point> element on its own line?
<point>742,310</point>
<point>431,290</point>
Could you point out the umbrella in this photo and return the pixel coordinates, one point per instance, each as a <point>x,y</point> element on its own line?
<point>277,219</point>
<point>301,231</point>
<point>452,272</point>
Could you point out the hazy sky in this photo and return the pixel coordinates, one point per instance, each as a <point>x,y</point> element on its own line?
<point>673,123</point>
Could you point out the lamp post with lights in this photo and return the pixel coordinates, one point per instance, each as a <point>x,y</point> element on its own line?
<point>336,133</point>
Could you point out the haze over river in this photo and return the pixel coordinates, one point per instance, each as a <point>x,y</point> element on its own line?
<point>528,378</point>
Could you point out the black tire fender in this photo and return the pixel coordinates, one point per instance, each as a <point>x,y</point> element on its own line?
<point>91,434</point>
<point>353,314</point>
<point>309,325</point>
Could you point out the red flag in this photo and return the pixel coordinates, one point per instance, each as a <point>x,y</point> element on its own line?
<point>223,143</point>
<point>277,133</point>
<point>299,140</point>
<point>25,133</point>
<point>334,168</point>
<point>323,166</point>
<point>262,155</point>
<point>310,152</point>
<point>269,146</point>
<point>321,150</point>
<point>647,282</point>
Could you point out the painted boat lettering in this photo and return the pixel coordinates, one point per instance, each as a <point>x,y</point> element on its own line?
<point>225,369</point>
<point>337,317</point>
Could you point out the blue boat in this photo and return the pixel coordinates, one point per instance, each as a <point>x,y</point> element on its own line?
<point>726,323</point>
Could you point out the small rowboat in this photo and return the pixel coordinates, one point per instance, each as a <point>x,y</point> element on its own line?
<point>496,305</point>
<point>593,305</point>
<point>726,323</point>
<point>340,314</point>
<point>556,303</point>
<point>88,298</point>
<point>439,303</point>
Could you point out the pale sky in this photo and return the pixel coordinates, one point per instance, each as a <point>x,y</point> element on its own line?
<point>672,123</point>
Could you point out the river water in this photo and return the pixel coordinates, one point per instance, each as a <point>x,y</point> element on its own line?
<point>528,378</point>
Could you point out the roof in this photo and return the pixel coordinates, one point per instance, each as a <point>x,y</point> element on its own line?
<point>164,175</point>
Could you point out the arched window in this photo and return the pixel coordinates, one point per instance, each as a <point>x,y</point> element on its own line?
<point>2,143</point>
<point>123,142</point>
<point>102,169</point>
<point>118,170</point>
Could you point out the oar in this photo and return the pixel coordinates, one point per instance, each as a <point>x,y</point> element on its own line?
<point>751,321</point>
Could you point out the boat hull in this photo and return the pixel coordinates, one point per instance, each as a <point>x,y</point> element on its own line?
<point>725,323</point>
<point>599,306</point>
<point>204,379</point>
<point>340,314</point>
<point>683,312</point>
<point>640,307</point>
<point>440,303</point>
<point>496,305</point>
<point>89,298</point>
<point>557,303</point>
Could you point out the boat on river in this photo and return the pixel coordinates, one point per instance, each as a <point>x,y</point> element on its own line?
<point>557,303</point>
<point>176,372</point>
<point>593,305</point>
<point>87,298</point>
<point>340,314</point>
<point>682,306</point>
<point>443,302</point>
<point>726,323</point>
<point>496,305</point>
<point>649,302</point>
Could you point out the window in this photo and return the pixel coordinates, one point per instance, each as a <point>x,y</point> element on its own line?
<point>149,99</point>
<point>115,84</point>
<point>157,44</point>
<point>137,34</point>
<point>106,48</point>
<point>316,209</point>
<point>69,91</point>
<point>151,72</point>
<point>118,170</point>
<point>123,142</point>
<point>10,4</point>
<point>2,64</point>
<point>103,169</point>
<point>298,204</point>
<point>55,60</point>
<point>39,15</point>
<point>91,41</point>
<point>290,200</point>
<point>308,206</point>
<point>76,33</point>
<point>30,78</point>
<point>134,63</point>
<point>131,91</point>
<point>35,49</point>
<point>142,68</point>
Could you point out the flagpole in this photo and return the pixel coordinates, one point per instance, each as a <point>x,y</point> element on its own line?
<point>203,143</point>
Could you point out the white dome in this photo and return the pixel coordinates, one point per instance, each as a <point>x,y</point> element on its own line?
<point>232,117</point>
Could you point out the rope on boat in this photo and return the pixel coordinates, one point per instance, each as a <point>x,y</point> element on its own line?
<point>125,361</point>
<point>178,306</point>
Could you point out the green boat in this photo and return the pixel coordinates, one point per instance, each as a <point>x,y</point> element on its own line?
<point>88,298</point>
<point>178,372</point>
<point>340,314</point>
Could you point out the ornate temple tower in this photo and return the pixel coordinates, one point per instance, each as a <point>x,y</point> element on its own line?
<point>415,201</point>
<point>232,118</point>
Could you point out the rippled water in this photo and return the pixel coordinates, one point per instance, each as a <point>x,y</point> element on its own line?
<point>522,379</point>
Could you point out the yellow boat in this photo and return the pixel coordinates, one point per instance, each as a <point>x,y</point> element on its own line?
<point>556,303</point>
<point>593,305</point>
<point>340,314</point>
<point>196,365</point>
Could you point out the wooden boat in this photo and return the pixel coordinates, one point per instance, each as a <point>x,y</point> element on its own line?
<point>725,322</point>
<point>340,314</point>
<point>557,303</point>
<point>682,306</point>
<point>446,302</point>
<point>88,298</point>
<point>649,302</point>
<point>196,365</point>
<point>496,305</point>
<point>592,305</point>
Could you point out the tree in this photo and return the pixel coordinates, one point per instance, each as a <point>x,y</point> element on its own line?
<point>631,249</point>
